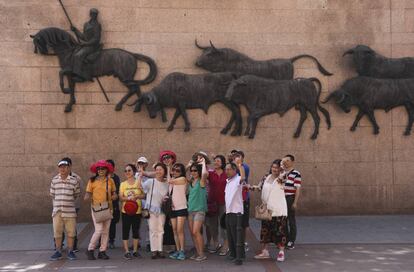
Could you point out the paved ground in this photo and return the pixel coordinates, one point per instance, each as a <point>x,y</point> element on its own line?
<point>340,243</point>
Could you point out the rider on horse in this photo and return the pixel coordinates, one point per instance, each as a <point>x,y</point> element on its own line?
<point>89,44</point>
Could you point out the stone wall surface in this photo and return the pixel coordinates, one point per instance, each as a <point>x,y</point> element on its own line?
<point>343,172</point>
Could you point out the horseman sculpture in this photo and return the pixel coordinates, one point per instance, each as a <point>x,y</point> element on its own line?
<point>85,59</point>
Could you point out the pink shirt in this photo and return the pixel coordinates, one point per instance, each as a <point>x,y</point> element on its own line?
<point>179,199</point>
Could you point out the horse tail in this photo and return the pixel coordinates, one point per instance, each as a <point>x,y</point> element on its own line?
<point>152,71</point>
<point>323,110</point>
<point>320,67</point>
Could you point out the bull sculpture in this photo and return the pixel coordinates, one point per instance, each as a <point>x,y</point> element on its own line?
<point>369,94</point>
<point>228,60</point>
<point>184,91</point>
<point>371,64</point>
<point>265,96</point>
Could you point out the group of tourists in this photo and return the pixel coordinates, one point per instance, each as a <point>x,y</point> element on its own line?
<point>210,195</point>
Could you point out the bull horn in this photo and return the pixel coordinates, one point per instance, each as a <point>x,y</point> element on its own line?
<point>198,46</point>
<point>328,98</point>
<point>212,46</point>
<point>350,51</point>
<point>341,99</point>
<point>32,36</point>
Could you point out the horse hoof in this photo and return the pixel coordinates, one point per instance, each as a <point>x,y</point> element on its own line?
<point>118,107</point>
<point>224,131</point>
<point>170,128</point>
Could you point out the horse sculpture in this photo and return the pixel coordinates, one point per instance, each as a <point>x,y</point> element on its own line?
<point>113,61</point>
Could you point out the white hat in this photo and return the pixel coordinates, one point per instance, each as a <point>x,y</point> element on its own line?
<point>63,162</point>
<point>142,159</point>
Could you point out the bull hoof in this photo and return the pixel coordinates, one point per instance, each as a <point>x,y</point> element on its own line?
<point>170,128</point>
<point>187,129</point>
<point>118,107</point>
<point>407,133</point>
<point>352,129</point>
<point>234,133</point>
<point>376,131</point>
<point>224,131</point>
<point>313,137</point>
<point>66,91</point>
<point>68,108</point>
<point>251,136</point>
<point>296,135</point>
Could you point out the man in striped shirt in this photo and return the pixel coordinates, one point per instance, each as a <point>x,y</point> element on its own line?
<point>64,189</point>
<point>293,182</point>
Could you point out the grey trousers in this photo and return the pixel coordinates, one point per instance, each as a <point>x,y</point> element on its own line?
<point>235,235</point>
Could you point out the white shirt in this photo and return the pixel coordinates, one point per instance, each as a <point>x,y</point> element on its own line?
<point>233,195</point>
<point>273,194</point>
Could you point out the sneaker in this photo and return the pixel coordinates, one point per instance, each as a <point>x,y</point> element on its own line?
<point>224,252</point>
<point>238,262</point>
<point>201,258</point>
<point>290,245</point>
<point>136,254</point>
<point>56,256</point>
<point>181,255</point>
<point>263,255</point>
<point>128,256</point>
<point>174,255</point>
<point>230,258</point>
<point>102,255</point>
<point>215,250</point>
<point>148,248</point>
<point>280,256</point>
<point>75,250</point>
<point>154,255</point>
<point>161,255</point>
<point>111,245</point>
<point>91,255</point>
<point>195,256</point>
<point>71,255</point>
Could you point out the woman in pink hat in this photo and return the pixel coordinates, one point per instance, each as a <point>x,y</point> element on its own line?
<point>101,190</point>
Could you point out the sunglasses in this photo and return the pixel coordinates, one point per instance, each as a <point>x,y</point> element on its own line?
<point>166,157</point>
<point>193,170</point>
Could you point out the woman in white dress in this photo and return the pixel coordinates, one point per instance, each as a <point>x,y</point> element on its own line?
<point>272,193</point>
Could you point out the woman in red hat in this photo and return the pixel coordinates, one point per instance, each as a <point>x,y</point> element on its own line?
<point>101,190</point>
<point>130,194</point>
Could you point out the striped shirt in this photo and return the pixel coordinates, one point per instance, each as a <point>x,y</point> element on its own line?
<point>64,192</point>
<point>292,182</point>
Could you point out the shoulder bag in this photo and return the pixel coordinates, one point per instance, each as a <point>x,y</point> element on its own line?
<point>145,212</point>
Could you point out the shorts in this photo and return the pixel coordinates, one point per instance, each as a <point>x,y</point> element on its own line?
<point>179,213</point>
<point>60,224</point>
<point>197,216</point>
<point>246,213</point>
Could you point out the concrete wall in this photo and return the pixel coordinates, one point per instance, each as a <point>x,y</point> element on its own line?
<point>343,172</point>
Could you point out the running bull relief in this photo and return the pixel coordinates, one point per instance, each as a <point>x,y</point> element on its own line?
<point>233,79</point>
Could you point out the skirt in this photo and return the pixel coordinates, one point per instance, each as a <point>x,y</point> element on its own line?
<point>274,231</point>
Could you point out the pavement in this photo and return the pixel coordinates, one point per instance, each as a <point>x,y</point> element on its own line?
<point>332,243</point>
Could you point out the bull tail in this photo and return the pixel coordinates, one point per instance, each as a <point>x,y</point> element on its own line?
<point>152,71</point>
<point>323,110</point>
<point>320,67</point>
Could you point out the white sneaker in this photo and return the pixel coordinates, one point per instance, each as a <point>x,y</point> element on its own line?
<point>281,256</point>
<point>263,255</point>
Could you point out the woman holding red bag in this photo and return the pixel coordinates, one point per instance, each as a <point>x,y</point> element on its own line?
<point>130,194</point>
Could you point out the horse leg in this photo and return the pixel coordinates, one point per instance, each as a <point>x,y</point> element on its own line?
<point>63,73</point>
<point>174,119</point>
<point>357,119</point>
<point>132,89</point>
<point>303,116</point>
<point>72,100</point>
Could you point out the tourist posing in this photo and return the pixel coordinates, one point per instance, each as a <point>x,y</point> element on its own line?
<point>102,191</point>
<point>274,230</point>
<point>130,193</point>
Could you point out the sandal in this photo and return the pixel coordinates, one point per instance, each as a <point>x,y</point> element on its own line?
<point>224,252</point>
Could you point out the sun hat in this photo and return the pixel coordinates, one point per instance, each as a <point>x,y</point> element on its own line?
<point>170,153</point>
<point>203,154</point>
<point>102,163</point>
<point>142,159</point>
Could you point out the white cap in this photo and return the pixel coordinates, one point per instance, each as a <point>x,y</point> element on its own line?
<point>142,159</point>
<point>63,162</point>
